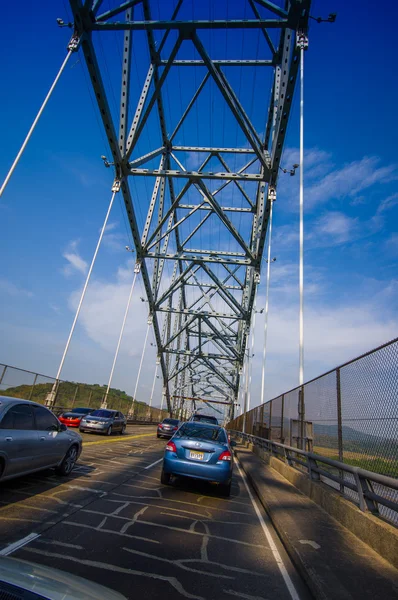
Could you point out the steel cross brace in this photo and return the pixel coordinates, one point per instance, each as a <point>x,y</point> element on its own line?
<point>166,240</point>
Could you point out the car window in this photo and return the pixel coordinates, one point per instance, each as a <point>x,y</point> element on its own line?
<point>83,411</point>
<point>45,421</point>
<point>202,432</point>
<point>18,417</point>
<point>101,412</point>
<point>171,421</point>
<point>205,419</point>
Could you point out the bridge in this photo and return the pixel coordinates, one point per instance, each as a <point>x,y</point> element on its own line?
<point>196,147</point>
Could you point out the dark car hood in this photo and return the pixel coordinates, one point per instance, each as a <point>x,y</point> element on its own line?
<point>72,415</point>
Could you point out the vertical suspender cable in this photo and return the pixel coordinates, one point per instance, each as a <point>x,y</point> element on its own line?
<point>139,369</point>
<point>51,396</point>
<point>104,402</point>
<point>266,302</point>
<point>31,130</point>
<point>153,385</point>
<point>246,390</point>
<point>301,275</point>
<point>250,362</point>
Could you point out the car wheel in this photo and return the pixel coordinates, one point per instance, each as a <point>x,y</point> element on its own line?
<point>225,489</point>
<point>157,435</point>
<point>109,430</point>
<point>123,430</point>
<point>1,468</point>
<point>66,466</point>
<point>165,478</point>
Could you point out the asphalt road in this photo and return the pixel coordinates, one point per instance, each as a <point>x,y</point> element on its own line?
<point>113,522</point>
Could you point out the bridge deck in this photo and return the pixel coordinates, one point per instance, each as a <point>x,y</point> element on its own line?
<point>114,523</point>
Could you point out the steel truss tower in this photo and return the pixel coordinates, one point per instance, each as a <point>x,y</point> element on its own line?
<point>201,235</point>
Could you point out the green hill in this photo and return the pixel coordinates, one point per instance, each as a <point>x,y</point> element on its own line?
<point>72,394</point>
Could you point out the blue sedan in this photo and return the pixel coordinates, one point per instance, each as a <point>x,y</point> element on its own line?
<point>201,451</point>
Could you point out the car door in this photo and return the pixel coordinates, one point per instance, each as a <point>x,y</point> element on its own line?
<point>118,422</point>
<point>53,443</point>
<point>18,439</point>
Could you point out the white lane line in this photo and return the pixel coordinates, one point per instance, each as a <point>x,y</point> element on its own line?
<point>153,464</point>
<point>16,545</point>
<point>286,577</point>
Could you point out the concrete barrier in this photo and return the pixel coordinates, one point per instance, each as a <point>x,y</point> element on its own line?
<point>372,530</point>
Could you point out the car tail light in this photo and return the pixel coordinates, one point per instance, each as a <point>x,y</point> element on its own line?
<point>171,447</point>
<point>225,455</point>
<point>175,428</point>
<point>160,425</point>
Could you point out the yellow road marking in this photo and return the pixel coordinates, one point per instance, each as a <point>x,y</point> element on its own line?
<point>120,439</point>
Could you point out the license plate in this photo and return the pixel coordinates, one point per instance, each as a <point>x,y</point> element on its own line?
<point>196,455</point>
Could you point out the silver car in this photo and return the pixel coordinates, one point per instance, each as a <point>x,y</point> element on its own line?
<point>32,439</point>
<point>23,579</point>
<point>104,421</point>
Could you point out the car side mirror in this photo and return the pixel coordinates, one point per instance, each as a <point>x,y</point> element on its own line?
<point>232,443</point>
<point>63,427</point>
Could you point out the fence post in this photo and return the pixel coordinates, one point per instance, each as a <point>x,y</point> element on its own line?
<point>31,389</point>
<point>301,407</point>
<point>74,396</point>
<point>282,438</point>
<point>89,398</point>
<point>3,373</point>
<point>270,420</point>
<point>339,425</point>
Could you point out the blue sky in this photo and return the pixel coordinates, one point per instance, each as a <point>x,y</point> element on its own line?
<point>55,203</point>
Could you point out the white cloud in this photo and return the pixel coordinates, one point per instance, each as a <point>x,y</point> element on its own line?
<point>103,310</point>
<point>112,238</point>
<point>75,261</point>
<point>336,226</point>
<point>388,203</point>
<point>324,182</point>
<point>333,334</point>
<point>11,289</point>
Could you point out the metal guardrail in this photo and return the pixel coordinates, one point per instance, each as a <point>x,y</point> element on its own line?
<point>362,481</point>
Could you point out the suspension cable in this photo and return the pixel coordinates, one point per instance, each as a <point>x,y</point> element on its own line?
<point>267,301</point>
<point>51,396</point>
<point>104,402</point>
<point>31,130</point>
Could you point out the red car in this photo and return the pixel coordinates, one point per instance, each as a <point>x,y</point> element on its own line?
<point>73,418</point>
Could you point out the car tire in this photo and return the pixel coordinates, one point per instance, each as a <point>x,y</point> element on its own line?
<point>157,435</point>
<point>69,461</point>
<point>109,430</point>
<point>225,489</point>
<point>123,430</point>
<point>165,478</point>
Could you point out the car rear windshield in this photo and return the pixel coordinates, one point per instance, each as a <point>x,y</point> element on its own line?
<point>83,411</point>
<point>205,419</point>
<point>171,421</point>
<point>215,434</point>
<point>102,413</point>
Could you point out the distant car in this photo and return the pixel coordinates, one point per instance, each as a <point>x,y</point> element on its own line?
<point>204,418</point>
<point>32,439</point>
<point>104,421</point>
<point>167,428</point>
<point>201,451</point>
<point>24,579</point>
<point>74,416</point>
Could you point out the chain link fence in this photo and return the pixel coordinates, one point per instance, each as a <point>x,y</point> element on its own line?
<point>349,414</point>
<point>28,385</point>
